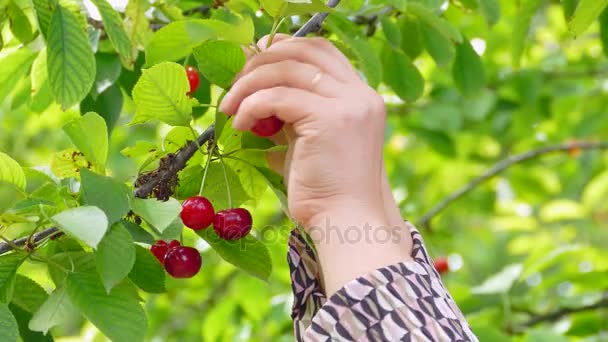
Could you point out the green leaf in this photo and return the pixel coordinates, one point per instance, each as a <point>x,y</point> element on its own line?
<point>23,319</point>
<point>88,224</point>
<point>219,61</point>
<point>438,46</point>
<point>56,310</point>
<point>70,59</point>
<point>115,30</point>
<point>138,27</point>
<point>138,234</point>
<point>468,71</point>
<point>41,90</point>
<point>596,192</point>
<point>491,10</point>
<point>411,37</point>
<point>118,315</point>
<point>158,214</point>
<point>11,172</point>
<point>147,273</point>
<point>90,136</point>
<point>115,256</point>
<point>391,31</point>
<point>176,40</point>
<point>14,67</point>
<point>401,74</point>
<point>586,12</point>
<point>569,8</point>
<point>604,31</point>
<point>20,24</point>
<point>8,268</point>
<point>521,28</point>
<point>9,330</point>
<point>437,140</point>
<point>78,260</point>
<point>367,59</point>
<point>44,11</point>
<point>108,71</point>
<point>543,335</point>
<point>215,186</point>
<point>106,193</point>
<point>248,253</point>
<point>69,163</point>
<point>108,104</point>
<point>442,26</point>
<point>160,94</point>
<point>302,7</point>
<point>30,295</point>
<point>500,282</point>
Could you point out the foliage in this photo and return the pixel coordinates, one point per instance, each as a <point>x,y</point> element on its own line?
<point>94,106</point>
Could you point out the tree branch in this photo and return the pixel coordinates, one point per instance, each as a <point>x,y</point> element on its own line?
<point>555,315</point>
<point>168,172</point>
<point>501,166</point>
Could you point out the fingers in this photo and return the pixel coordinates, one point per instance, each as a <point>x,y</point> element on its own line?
<point>286,73</point>
<point>308,51</point>
<point>291,105</point>
<point>263,42</point>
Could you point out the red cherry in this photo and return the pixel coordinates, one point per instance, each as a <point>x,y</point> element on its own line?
<point>183,262</point>
<point>197,212</point>
<point>193,78</point>
<point>267,127</point>
<point>161,248</point>
<point>232,224</point>
<point>441,265</point>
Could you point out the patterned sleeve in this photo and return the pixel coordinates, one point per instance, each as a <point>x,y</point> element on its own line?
<point>402,302</point>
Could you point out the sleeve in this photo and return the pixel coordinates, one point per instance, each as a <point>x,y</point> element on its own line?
<point>402,302</point>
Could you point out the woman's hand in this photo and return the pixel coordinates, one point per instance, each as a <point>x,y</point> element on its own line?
<point>334,165</point>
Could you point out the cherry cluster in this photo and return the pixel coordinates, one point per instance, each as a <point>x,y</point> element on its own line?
<point>264,128</point>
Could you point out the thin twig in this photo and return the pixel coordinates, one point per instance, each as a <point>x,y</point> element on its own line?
<point>503,165</point>
<point>557,314</point>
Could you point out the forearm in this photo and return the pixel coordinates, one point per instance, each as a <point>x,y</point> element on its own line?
<point>353,240</point>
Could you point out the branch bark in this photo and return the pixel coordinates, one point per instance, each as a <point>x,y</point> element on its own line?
<point>181,157</point>
<point>501,166</point>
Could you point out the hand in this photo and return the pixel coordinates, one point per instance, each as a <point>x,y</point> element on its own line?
<point>335,124</point>
<point>334,167</point>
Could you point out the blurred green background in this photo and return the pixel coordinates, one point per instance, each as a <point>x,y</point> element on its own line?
<point>529,242</point>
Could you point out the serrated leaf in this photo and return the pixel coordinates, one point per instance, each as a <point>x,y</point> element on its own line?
<point>8,268</point>
<point>468,70</point>
<point>138,234</point>
<point>75,260</point>
<point>215,187</point>
<point>219,61</point>
<point>106,193</point>
<point>137,25</point>
<point>391,31</point>
<point>108,71</point>
<point>70,59</point>
<point>56,310</point>
<point>89,134</point>
<point>41,90</point>
<point>9,330</point>
<point>586,12</point>
<point>500,282</point>
<point>177,39</point>
<point>367,59</point>
<point>160,94</point>
<point>248,253</point>
<point>147,273</point>
<point>157,213</point>
<point>44,11</point>
<point>118,315</point>
<point>11,172</point>
<point>401,74</point>
<point>88,224</point>
<point>69,163</point>
<point>108,104</point>
<point>115,256</point>
<point>14,67</point>
<point>30,295</point>
<point>115,30</point>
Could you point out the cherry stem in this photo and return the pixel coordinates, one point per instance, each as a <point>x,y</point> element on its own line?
<point>200,192</point>
<point>226,180</point>
<point>186,61</point>
<point>275,27</point>
<point>209,105</point>
<point>195,135</point>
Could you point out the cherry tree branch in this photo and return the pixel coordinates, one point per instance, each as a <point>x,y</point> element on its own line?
<point>503,165</point>
<point>178,161</point>
<point>555,315</point>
